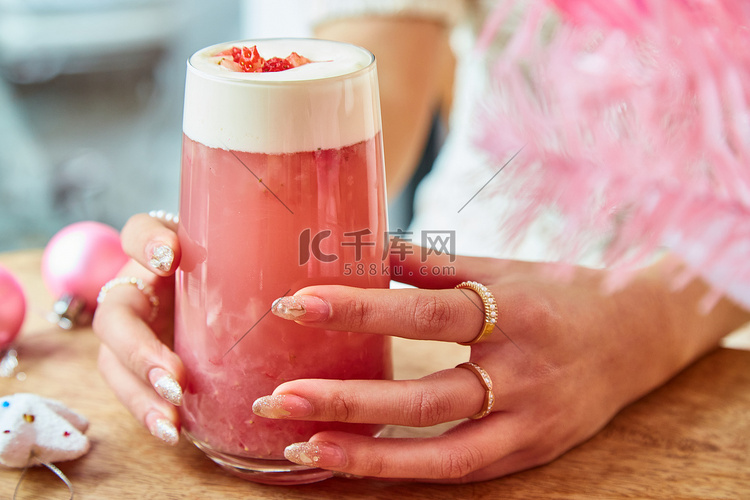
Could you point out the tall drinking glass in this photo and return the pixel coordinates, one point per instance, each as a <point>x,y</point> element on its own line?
<point>282,187</point>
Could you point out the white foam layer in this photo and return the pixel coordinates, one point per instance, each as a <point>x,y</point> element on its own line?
<point>329,103</point>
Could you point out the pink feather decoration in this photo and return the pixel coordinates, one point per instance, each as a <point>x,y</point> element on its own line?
<point>634,123</point>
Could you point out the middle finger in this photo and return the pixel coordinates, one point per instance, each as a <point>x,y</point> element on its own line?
<point>138,349</point>
<point>444,396</point>
<point>157,415</point>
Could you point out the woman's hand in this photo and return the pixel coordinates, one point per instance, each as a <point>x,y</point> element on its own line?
<point>564,358</point>
<point>135,357</point>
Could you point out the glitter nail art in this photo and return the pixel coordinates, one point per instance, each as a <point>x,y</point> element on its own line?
<point>162,258</point>
<point>165,431</point>
<point>318,454</point>
<point>303,453</point>
<point>169,389</point>
<point>270,407</point>
<point>288,308</point>
<point>306,308</point>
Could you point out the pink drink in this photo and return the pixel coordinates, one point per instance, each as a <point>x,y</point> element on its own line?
<point>263,219</point>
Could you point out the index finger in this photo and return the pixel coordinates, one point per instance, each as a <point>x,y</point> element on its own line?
<point>444,315</point>
<point>152,241</point>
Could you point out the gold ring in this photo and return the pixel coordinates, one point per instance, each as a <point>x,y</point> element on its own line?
<point>136,282</point>
<point>490,310</point>
<point>486,381</point>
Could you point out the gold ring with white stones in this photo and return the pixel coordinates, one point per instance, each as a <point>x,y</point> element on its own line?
<point>146,290</point>
<point>486,381</point>
<point>490,309</point>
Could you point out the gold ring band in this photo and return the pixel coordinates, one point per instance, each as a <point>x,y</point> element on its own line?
<point>136,282</point>
<point>490,309</point>
<point>486,381</point>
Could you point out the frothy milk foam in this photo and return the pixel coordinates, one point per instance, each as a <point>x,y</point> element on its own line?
<point>301,109</point>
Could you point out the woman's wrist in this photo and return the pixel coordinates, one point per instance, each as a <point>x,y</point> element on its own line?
<point>697,322</point>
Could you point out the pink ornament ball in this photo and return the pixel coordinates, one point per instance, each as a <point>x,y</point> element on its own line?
<point>80,259</point>
<point>12,308</point>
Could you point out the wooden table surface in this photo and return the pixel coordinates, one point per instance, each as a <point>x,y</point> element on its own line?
<point>689,439</point>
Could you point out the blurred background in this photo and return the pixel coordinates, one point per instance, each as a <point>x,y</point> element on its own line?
<point>91,98</point>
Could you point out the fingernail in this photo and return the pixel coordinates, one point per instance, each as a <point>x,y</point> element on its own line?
<point>319,454</point>
<point>301,308</point>
<point>164,430</point>
<point>162,258</point>
<point>166,386</point>
<point>282,406</point>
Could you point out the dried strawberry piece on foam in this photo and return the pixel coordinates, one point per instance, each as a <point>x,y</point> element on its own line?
<point>297,60</point>
<point>244,59</point>
<point>230,64</point>
<point>249,60</point>
<point>276,64</point>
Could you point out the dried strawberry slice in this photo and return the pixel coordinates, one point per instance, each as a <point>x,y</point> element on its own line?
<point>230,64</point>
<point>248,60</point>
<point>296,60</point>
<point>276,64</point>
